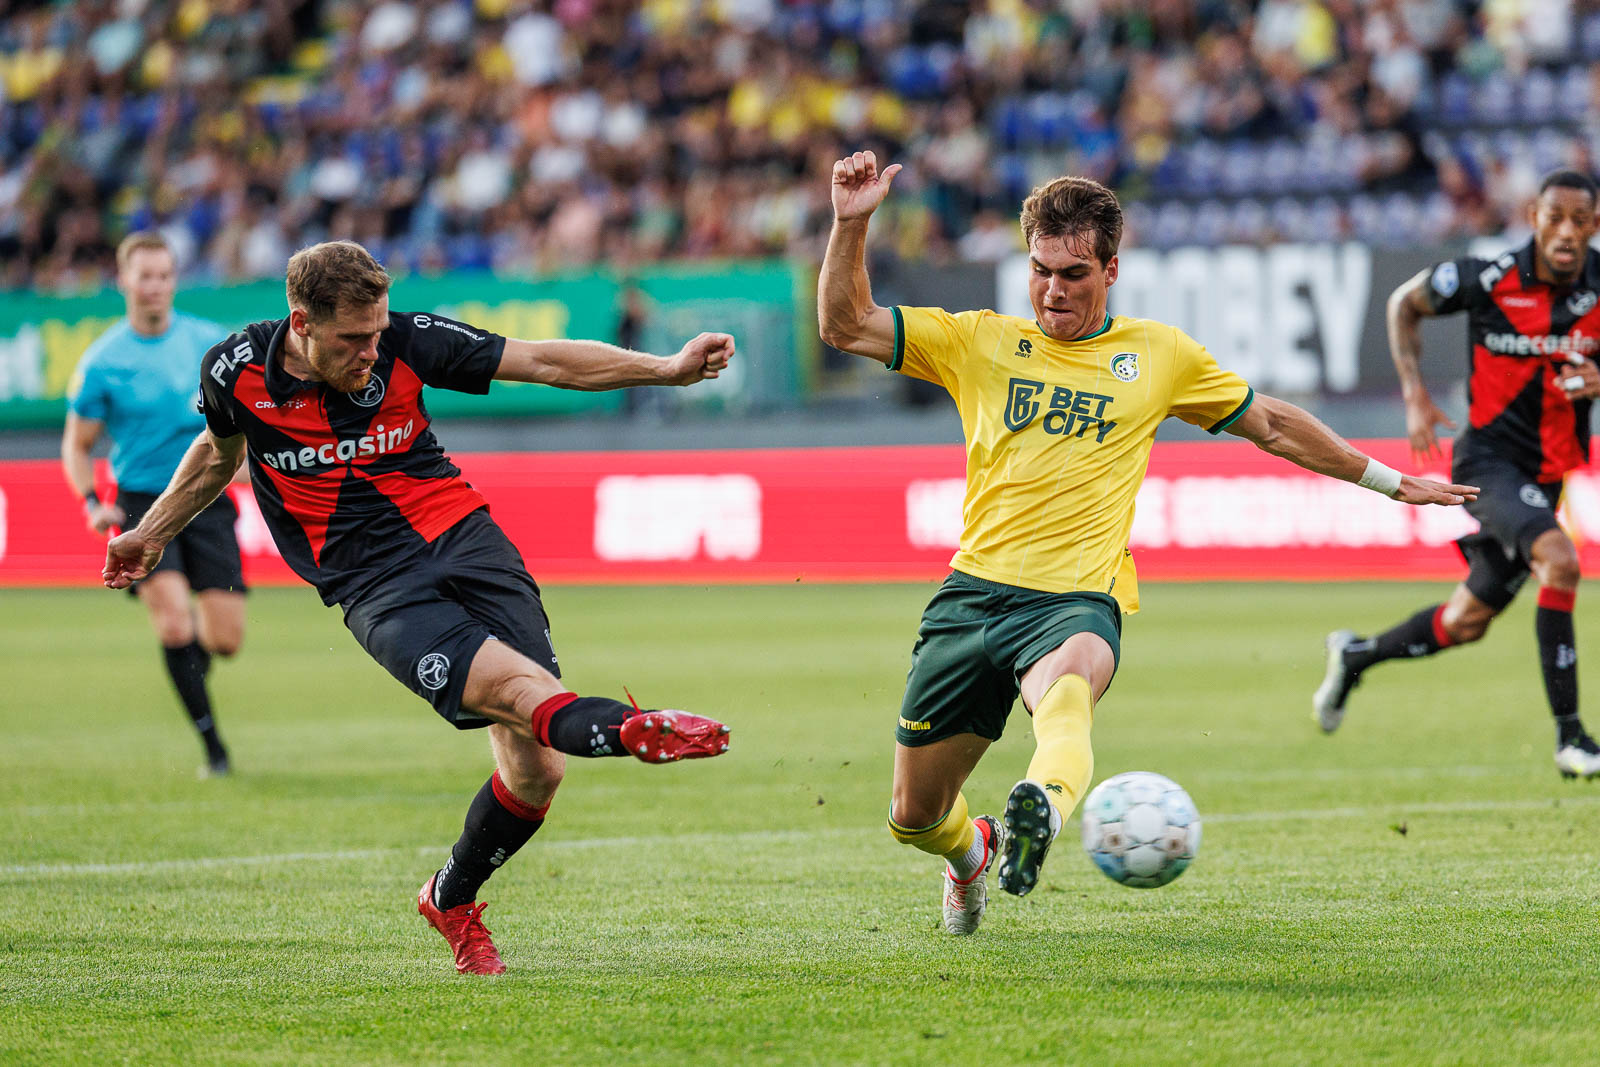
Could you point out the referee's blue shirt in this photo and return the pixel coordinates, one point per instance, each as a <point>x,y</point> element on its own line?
<point>145,390</point>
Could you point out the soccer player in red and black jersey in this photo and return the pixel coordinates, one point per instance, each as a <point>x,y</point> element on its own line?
<point>365,505</point>
<point>1534,330</point>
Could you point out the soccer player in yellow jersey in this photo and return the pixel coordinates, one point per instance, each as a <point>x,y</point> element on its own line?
<point>1059,414</point>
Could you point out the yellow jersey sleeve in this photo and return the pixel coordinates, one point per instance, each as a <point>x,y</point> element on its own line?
<point>933,344</point>
<point>1203,394</point>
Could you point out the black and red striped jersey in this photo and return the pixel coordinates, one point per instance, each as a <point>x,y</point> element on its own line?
<point>1520,332</point>
<point>350,484</point>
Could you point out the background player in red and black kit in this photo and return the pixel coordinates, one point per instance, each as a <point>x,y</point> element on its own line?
<point>1534,330</point>
<point>365,505</point>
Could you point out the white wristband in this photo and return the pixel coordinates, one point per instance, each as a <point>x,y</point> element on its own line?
<point>1377,477</point>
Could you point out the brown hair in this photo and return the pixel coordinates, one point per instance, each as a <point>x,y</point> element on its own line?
<point>325,277</point>
<point>140,240</point>
<point>1069,206</point>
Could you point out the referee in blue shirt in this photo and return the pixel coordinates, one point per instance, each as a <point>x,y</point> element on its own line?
<point>139,383</point>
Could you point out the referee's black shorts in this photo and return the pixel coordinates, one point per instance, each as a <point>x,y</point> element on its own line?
<point>427,621</point>
<point>1513,511</point>
<point>206,551</point>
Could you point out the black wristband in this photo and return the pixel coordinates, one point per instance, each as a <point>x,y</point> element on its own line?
<point>91,499</point>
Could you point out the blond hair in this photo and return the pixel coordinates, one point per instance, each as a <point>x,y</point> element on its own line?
<point>139,241</point>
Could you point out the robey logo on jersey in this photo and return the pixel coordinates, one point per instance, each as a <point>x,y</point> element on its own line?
<point>376,443</point>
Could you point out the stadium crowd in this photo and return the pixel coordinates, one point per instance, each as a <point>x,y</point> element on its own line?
<point>529,135</point>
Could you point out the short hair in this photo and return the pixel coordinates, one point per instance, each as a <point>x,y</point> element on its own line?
<point>138,241</point>
<point>1570,179</point>
<point>1071,205</point>
<point>325,277</point>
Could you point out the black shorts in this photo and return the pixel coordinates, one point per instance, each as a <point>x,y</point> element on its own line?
<point>206,551</point>
<point>427,621</point>
<point>1513,511</point>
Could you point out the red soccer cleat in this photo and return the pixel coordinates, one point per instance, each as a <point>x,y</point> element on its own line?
<point>462,927</point>
<point>669,736</point>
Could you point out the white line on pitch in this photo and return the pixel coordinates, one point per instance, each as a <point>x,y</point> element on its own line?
<point>47,870</point>
<point>1376,774</point>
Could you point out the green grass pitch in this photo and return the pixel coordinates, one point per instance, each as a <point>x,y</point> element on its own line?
<point>1419,888</point>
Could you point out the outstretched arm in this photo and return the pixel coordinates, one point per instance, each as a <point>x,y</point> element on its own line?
<point>847,318</point>
<point>594,365</point>
<point>1296,435</point>
<point>205,471</point>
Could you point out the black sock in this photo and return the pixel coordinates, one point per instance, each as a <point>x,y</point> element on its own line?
<point>188,666</point>
<point>1417,636</point>
<point>581,726</point>
<point>1558,659</point>
<point>498,824</point>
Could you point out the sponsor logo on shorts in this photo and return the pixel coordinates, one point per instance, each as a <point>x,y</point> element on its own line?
<point>1533,496</point>
<point>908,724</point>
<point>1125,366</point>
<point>433,671</point>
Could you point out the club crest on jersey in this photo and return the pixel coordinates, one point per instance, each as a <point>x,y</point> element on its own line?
<point>1583,302</point>
<point>1125,366</point>
<point>433,671</point>
<point>1446,279</point>
<point>372,395</point>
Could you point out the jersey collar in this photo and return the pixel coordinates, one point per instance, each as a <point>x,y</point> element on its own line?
<point>281,385</point>
<point>1104,326</point>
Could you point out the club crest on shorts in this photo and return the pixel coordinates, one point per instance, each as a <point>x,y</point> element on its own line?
<point>1533,496</point>
<point>433,671</point>
<point>1125,366</point>
<point>1582,302</point>
<point>372,395</point>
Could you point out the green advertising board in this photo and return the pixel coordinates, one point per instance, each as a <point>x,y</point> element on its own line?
<point>42,337</point>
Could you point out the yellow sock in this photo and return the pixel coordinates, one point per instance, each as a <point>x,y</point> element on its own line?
<point>1063,761</point>
<point>950,837</point>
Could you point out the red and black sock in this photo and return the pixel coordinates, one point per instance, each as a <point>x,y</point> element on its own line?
<point>1558,659</point>
<point>581,726</point>
<point>188,666</point>
<point>1421,635</point>
<point>498,824</point>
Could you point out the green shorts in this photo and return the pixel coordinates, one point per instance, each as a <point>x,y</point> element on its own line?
<point>977,639</point>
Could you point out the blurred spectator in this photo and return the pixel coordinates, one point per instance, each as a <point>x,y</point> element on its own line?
<point>532,135</point>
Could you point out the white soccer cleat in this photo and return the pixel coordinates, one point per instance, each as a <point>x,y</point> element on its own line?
<point>964,902</point>
<point>1032,823</point>
<point>1581,760</point>
<point>1327,703</point>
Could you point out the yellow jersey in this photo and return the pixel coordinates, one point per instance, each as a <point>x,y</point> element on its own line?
<point>1058,436</point>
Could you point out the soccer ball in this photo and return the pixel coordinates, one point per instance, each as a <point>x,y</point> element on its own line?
<point>1140,828</point>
